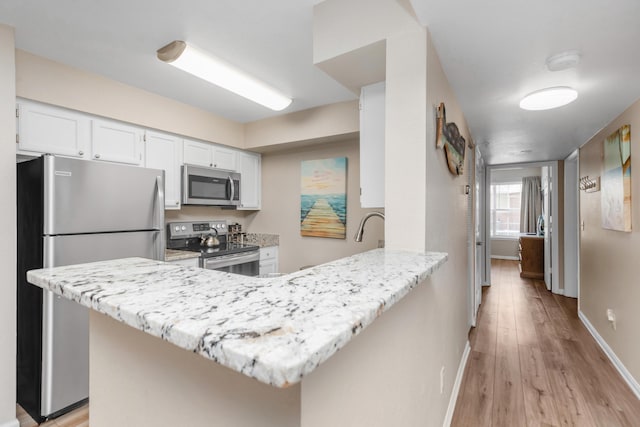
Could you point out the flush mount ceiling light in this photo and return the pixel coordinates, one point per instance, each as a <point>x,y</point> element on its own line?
<point>563,60</point>
<point>549,98</point>
<point>207,67</point>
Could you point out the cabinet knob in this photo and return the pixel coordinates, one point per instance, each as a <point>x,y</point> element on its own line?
<point>177,203</point>
<point>80,153</point>
<point>97,156</point>
<point>210,164</point>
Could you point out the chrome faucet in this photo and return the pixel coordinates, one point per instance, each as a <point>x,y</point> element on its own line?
<point>363,221</point>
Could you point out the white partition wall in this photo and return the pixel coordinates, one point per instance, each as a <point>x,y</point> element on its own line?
<point>8,217</point>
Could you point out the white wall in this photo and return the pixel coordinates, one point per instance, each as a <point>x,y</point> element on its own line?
<point>8,218</point>
<point>504,248</point>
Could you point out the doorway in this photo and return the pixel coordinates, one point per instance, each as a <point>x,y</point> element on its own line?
<point>503,244</point>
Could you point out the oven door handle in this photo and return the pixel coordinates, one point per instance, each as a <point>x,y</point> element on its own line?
<point>233,259</point>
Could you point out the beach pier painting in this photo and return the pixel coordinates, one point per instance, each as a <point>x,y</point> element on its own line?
<point>615,184</point>
<point>323,198</point>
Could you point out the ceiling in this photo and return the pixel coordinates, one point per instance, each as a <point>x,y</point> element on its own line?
<point>493,54</point>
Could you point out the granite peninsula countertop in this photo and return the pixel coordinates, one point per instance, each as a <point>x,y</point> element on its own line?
<point>275,330</point>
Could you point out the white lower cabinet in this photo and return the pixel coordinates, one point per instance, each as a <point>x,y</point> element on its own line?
<point>189,262</point>
<point>44,128</point>
<point>116,142</point>
<point>164,151</point>
<point>250,168</point>
<point>269,260</point>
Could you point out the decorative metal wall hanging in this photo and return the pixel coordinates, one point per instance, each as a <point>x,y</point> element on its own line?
<point>448,136</point>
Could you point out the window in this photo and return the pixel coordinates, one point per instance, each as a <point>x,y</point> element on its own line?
<point>505,209</point>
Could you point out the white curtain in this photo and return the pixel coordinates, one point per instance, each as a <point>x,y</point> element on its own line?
<point>530,204</point>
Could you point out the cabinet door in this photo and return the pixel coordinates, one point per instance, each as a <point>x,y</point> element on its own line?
<point>372,99</point>
<point>48,129</point>
<point>269,260</point>
<point>249,166</point>
<point>268,267</point>
<point>162,151</point>
<point>198,153</point>
<point>224,158</point>
<point>116,142</point>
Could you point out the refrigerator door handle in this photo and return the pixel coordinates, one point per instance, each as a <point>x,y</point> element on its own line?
<point>159,202</point>
<point>160,217</point>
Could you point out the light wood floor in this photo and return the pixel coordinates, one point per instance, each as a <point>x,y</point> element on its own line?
<point>76,418</point>
<point>533,363</point>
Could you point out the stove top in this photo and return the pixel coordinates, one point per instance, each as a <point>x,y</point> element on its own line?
<point>187,235</point>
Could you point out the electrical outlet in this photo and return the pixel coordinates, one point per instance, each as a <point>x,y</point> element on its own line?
<point>442,380</point>
<point>611,317</point>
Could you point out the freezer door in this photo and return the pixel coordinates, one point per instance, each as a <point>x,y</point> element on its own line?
<point>81,196</point>
<point>65,324</point>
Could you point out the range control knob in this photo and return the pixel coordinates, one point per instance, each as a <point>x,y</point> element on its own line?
<point>222,225</point>
<point>183,228</point>
<point>177,228</point>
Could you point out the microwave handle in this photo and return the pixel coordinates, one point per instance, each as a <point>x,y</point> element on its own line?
<point>233,189</point>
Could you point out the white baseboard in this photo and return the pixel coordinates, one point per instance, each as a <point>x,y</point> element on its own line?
<point>11,423</point>
<point>456,385</point>
<point>510,258</point>
<point>626,375</point>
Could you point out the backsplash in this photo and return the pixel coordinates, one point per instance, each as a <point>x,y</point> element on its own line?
<point>195,213</point>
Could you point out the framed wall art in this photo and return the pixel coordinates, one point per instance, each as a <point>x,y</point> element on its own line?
<point>323,198</point>
<point>615,184</point>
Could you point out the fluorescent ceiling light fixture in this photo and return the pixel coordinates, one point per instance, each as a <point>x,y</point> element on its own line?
<point>207,67</point>
<point>549,98</point>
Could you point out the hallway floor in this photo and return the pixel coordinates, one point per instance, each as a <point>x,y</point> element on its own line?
<point>533,363</point>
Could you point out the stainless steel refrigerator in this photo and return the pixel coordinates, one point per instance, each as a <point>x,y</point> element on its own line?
<point>73,211</point>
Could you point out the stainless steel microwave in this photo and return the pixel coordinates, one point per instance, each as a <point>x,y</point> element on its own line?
<point>208,186</point>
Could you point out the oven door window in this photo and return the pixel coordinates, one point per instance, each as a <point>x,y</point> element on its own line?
<point>247,263</point>
<point>245,269</point>
<point>207,188</point>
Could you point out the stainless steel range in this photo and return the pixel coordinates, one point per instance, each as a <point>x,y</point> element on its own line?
<point>209,238</point>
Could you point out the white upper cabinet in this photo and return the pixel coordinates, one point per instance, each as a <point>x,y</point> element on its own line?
<point>198,153</point>
<point>164,151</point>
<point>43,129</point>
<point>224,158</point>
<point>116,142</point>
<point>249,166</point>
<point>372,99</point>
<point>209,155</point>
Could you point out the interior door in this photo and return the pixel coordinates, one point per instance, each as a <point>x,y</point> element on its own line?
<point>547,197</point>
<point>479,232</point>
<point>571,228</point>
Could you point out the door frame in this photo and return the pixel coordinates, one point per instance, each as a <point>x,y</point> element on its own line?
<point>556,279</point>
<point>572,224</point>
<point>475,224</point>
